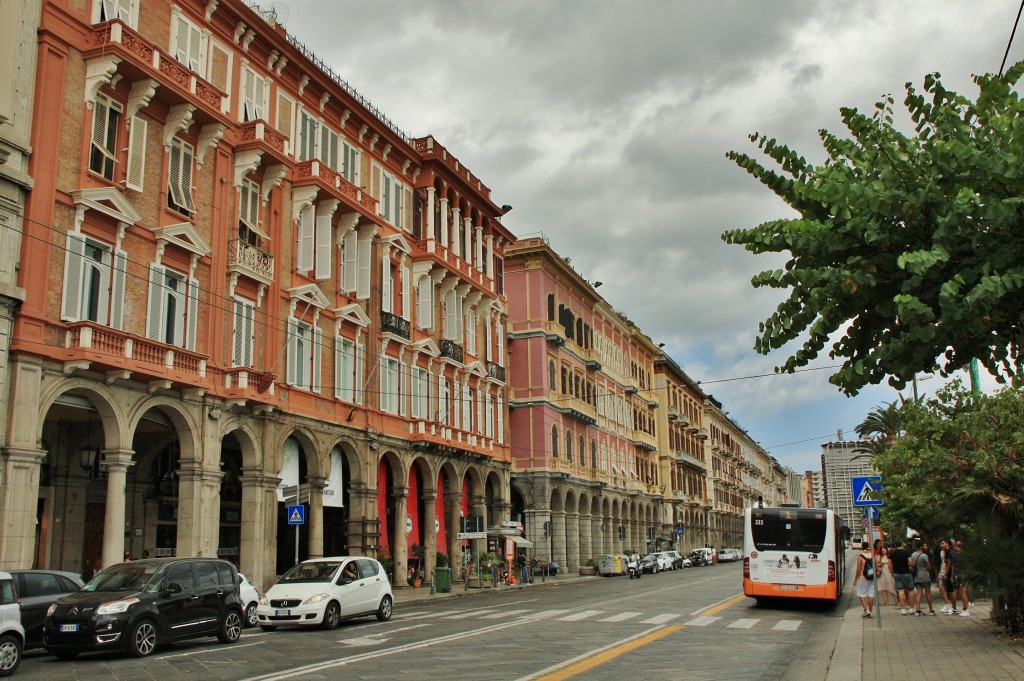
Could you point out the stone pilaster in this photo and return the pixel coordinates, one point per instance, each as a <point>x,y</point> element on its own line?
<point>116,463</point>
<point>19,494</point>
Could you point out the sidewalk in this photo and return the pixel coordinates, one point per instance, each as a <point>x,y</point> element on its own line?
<point>909,647</point>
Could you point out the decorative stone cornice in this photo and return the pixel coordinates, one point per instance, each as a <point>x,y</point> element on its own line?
<point>302,198</point>
<point>179,119</point>
<point>272,177</point>
<point>246,162</point>
<point>140,96</point>
<point>98,72</point>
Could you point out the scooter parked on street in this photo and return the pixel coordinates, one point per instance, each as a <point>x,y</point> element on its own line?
<point>633,567</point>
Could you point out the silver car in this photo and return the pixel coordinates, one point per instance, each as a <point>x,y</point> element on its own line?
<point>12,634</point>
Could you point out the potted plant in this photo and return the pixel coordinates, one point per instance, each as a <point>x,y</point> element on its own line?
<point>417,572</point>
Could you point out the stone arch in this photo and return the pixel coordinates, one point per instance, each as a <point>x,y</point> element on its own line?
<point>182,421</point>
<point>116,430</point>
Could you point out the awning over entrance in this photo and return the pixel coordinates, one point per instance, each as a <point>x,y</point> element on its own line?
<point>519,541</point>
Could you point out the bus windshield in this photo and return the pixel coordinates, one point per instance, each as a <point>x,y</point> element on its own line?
<point>789,530</point>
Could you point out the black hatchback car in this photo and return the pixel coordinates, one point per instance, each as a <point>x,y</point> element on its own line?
<point>136,605</point>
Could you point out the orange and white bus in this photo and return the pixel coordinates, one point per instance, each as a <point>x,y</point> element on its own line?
<point>792,552</point>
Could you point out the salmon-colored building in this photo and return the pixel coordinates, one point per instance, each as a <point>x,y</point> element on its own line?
<point>245,289</point>
<point>584,439</point>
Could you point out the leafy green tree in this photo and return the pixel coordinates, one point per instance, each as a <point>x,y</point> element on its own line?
<point>958,469</point>
<point>907,250</point>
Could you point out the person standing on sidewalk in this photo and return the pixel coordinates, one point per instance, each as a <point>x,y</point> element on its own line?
<point>886,581</point>
<point>902,577</point>
<point>864,580</point>
<point>922,579</point>
<point>959,582</point>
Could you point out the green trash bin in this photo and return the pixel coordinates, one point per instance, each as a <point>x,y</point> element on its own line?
<point>443,579</point>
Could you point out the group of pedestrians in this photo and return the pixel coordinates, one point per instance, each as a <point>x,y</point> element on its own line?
<point>906,578</point>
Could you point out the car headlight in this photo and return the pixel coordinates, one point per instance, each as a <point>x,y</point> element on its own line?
<point>315,599</point>
<point>264,600</point>
<point>116,607</point>
<point>52,609</point>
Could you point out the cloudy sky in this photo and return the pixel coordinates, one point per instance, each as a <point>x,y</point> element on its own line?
<point>605,125</point>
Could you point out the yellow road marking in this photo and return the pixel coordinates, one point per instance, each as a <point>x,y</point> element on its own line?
<point>714,610</point>
<point>607,655</point>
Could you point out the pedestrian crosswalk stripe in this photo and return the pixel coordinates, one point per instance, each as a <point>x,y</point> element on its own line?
<point>622,617</point>
<point>660,619</point>
<point>702,621</point>
<point>577,616</point>
<point>503,614</point>
<point>471,613</point>
<point>743,624</point>
<point>544,614</point>
<point>787,625</point>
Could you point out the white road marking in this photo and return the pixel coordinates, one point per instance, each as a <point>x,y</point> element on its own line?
<point>702,621</point>
<point>621,617</point>
<point>743,623</point>
<point>206,650</point>
<point>787,625</point>
<point>582,615</point>
<point>471,613</point>
<point>661,619</point>
<point>503,614</point>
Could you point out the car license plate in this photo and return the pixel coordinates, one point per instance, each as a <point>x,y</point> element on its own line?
<point>788,587</point>
<point>282,613</point>
<point>69,627</point>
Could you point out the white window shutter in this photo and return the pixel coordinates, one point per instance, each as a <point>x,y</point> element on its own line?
<point>137,154</point>
<point>187,160</point>
<point>117,289</point>
<point>193,315</point>
<point>339,368</point>
<point>156,302</point>
<point>350,267</point>
<point>293,337</point>
<point>451,317</point>
<point>71,307</point>
<point>318,354</point>
<point>406,208</point>
<point>499,329</point>
<point>375,187</point>
<point>359,352</point>
<point>406,311</point>
<point>305,245</point>
<point>238,342</point>
<point>323,246</point>
<point>403,389</point>
<point>386,294</point>
<point>489,340</point>
<point>365,263</point>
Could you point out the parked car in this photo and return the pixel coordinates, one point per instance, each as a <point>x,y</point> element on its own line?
<point>705,554</point>
<point>678,560</point>
<point>12,634</point>
<point>137,605</point>
<point>250,601</point>
<point>698,558</point>
<point>322,592</point>
<point>728,555</point>
<point>655,563</point>
<point>37,591</point>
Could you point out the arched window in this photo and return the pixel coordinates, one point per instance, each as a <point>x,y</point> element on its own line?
<point>551,307</point>
<point>554,442</point>
<point>593,454</point>
<point>568,446</point>
<point>552,376</point>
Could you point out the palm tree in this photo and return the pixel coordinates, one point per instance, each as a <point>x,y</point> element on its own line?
<point>880,429</point>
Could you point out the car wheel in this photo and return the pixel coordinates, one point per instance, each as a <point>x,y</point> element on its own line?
<point>231,627</point>
<point>251,620</point>
<point>332,616</point>
<point>268,627</point>
<point>66,655</point>
<point>10,654</point>
<point>655,570</point>
<point>384,609</point>
<point>142,640</point>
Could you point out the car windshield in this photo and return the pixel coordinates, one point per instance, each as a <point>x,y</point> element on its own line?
<point>318,571</point>
<point>133,576</point>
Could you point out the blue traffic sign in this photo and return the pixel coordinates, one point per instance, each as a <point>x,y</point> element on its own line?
<point>867,491</point>
<point>871,512</point>
<point>297,515</point>
<point>680,530</point>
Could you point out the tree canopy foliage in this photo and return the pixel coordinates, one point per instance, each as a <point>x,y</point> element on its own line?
<point>958,469</point>
<point>909,248</point>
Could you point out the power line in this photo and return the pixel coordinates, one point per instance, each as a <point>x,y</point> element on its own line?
<point>776,373</point>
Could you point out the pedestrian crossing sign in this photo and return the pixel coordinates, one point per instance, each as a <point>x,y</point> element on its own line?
<point>297,515</point>
<point>867,490</point>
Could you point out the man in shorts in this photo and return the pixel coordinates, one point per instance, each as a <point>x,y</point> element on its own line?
<point>901,574</point>
<point>921,565</point>
<point>865,586</point>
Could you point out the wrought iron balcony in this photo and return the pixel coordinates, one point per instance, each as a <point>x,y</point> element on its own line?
<point>452,350</point>
<point>392,323</point>
<point>495,371</point>
<point>251,261</point>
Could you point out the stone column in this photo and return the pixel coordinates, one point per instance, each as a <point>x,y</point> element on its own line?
<point>400,543</point>
<point>572,542</point>
<point>116,463</point>
<point>453,511</point>
<point>456,232</point>
<point>316,516</point>
<point>429,521</point>
<point>256,536</point>
<point>444,222</point>
<point>478,248</point>
<point>428,227</point>
<point>198,495</point>
<point>19,495</point>
<point>558,537</point>
<point>586,538</point>
<point>362,513</point>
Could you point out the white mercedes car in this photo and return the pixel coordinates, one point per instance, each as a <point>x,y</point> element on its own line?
<point>321,592</point>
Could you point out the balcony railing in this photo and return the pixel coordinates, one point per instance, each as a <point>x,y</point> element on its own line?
<point>318,173</point>
<point>496,372</point>
<point>115,348</point>
<point>250,260</point>
<point>452,350</point>
<point>262,135</point>
<point>392,323</point>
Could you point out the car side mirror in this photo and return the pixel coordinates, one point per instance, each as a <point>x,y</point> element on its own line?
<point>172,588</point>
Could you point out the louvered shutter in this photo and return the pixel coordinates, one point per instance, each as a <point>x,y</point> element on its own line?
<point>304,249</point>
<point>403,389</point>
<point>292,342</point>
<point>137,154</point>
<point>425,303</point>
<point>340,369</point>
<point>187,159</point>
<point>375,188</point>
<point>174,179</point>
<point>156,302</point>
<point>350,268</point>
<point>238,339</point>
<point>359,353</point>
<point>489,340</point>
<point>284,119</point>
<point>249,86</point>
<point>71,307</point>
<point>117,289</point>
<point>193,315</point>
<point>365,265</point>
<point>406,208</point>
<point>386,294</point>
<point>318,354</point>
<point>323,246</point>
<point>406,311</point>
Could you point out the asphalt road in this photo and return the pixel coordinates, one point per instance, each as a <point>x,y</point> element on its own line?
<point>692,624</point>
